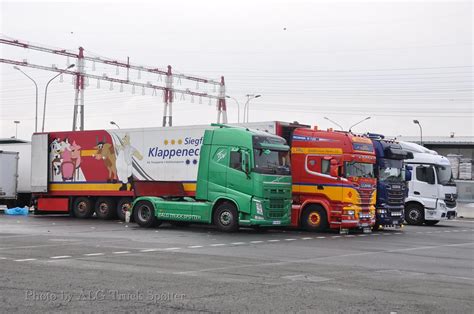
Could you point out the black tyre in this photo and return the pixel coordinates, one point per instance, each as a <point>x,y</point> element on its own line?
<point>431,222</point>
<point>414,214</point>
<point>82,207</point>
<point>226,217</point>
<point>314,219</point>
<point>123,205</point>
<point>105,208</point>
<point>144,215</point>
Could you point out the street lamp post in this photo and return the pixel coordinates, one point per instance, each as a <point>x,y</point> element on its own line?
<point>342,129</point>
<point>358,123</point>
<point>16,128</point>
<point>421,131</point>
<point>113,123</point>
<point>36,88</point>
<point>46,93</point>
<point>247,104</point>
<point>238,107</point>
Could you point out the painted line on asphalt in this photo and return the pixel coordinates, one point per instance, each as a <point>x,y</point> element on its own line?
<point>93,254</point>
<point>121,252</point>
<point>218,244</point>
<point>307,238</point>
<point>321,237</point>
<point>361,235</point>
<point>273,240</point>
<point>25,260</point>
<point>238,243</point>
<point>334,237</point>
<point>60,257</point>
<point>312,260</point>
<point>172,248</point>
<point>290,239</point>
<point>194,246</point>
<point>256,242</point>
<point>149,250</point>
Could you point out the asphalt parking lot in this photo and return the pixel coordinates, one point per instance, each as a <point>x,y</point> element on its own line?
<point>54,263</point>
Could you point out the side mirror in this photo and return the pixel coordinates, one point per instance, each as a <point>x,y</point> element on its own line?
<point>408,173</point>
<point>334,168</point>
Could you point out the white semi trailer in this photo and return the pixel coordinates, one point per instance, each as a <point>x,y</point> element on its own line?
<point>15,165</point>
<point>432,191</point>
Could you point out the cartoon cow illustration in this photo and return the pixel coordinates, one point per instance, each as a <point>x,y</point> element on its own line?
<point>55,149</point>
<point>106,152</point>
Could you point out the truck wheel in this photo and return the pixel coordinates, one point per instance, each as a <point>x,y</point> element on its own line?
<point>414,214</point>
<point>105,208</point>
<point>314,219</point>
<point>226,217</point>
<point>123,206</point>
<point>144,214</point>
<point>82,207</point>
<point>431,222</point>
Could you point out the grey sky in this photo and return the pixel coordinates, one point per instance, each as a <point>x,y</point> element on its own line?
<point>393,61</point>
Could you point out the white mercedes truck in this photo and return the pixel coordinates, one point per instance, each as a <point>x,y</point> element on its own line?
<point>431,191</point>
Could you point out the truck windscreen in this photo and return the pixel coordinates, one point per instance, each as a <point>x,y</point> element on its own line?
<point>271,161</point>
<point>444,175</point>
<point>358,169</point>
<point>391,170</point>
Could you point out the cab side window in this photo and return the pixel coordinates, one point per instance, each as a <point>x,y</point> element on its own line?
<point>425,174</point>
<point>236,160</point>
<point>325,166</point>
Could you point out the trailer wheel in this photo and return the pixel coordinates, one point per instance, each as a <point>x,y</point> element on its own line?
<point>123,205</point>
<point>144,214</point>
<point>414,214</point>
<point>314,219</point>
<point>82,207</point>
<point>431,222</point>
<point>105,208</point>
<point>226,217</point>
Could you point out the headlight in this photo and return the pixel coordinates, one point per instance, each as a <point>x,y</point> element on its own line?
<point>381,211</point>
<point>349,212</point>
<point>259,207</point>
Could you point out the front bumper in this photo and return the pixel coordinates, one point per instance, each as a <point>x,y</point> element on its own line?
<point>390,216</point>
<point>441,212</point>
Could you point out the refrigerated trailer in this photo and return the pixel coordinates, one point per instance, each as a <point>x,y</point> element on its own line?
<point>15,161</point>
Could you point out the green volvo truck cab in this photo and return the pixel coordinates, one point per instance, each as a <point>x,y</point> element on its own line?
<point>243,179</point>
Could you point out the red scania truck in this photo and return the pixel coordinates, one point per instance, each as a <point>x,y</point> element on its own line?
<point>333,177</point>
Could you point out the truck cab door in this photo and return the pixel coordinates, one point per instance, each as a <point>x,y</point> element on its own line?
<point>424,185</point>
<point>239,183</point>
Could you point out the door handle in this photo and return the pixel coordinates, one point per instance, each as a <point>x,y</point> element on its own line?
<point>416,193</point>
<point>320,187</point>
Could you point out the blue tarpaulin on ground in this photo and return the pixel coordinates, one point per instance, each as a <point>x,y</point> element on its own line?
<point>18,211</point>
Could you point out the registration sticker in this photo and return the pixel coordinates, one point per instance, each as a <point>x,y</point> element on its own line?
<point>277,222</point>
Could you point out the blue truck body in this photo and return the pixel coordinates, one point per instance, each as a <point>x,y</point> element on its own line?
<point>392,188</point>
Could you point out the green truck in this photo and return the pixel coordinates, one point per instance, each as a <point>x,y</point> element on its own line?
<point>243,179</point>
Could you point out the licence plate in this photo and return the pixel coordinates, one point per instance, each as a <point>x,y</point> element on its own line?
<point>364,225</point>
<point>277,222</point>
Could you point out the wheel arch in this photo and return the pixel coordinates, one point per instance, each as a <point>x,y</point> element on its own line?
<point>306,204</point>
<point>220,201</point>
